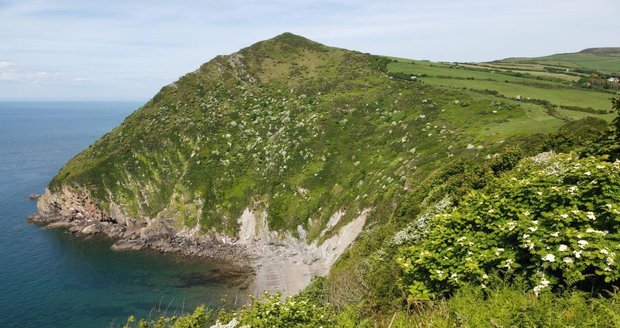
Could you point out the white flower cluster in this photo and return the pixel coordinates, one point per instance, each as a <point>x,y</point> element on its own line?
<point>544,283</point>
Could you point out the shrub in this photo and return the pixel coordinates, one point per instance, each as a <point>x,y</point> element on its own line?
<point>271,311</point>
<point>581,133</point>
<point>609,144</point>
<point>506,160</point>
<point>199,319</point>
<point>509,306</point>
<point>553,221</point>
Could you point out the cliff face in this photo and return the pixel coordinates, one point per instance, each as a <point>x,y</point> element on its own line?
<point>75,209</point>
<point>284,263</point>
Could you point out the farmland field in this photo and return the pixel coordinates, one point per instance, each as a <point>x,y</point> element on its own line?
<point>538,99</point>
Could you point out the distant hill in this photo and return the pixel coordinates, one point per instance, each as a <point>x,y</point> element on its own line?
<point>610,51</point>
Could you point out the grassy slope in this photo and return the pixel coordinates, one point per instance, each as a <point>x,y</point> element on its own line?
<point>288,122</point>
<point>356,138</point>
<point>604,60</point>
<point>509,83</point>
<point>300,128</point>
<point>379,292</point>
<point>511,307</point>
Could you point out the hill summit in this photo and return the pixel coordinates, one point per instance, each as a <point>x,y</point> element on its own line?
<point>283,152</point>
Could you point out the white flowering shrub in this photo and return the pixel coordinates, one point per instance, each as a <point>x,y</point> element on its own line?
<point>419,228</point>
<point>272,311</point>
<point>553,222</point>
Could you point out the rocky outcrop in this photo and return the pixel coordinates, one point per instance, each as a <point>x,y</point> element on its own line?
<point>287,264</point>
<point>73,209</point>
<point>281,261</point>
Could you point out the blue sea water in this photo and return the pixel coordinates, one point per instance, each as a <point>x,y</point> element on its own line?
<point>49,278</point>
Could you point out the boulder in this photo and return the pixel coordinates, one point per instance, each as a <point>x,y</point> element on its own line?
<point>91,229</point>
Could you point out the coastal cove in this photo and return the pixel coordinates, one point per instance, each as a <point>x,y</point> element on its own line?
<point>49,277</point>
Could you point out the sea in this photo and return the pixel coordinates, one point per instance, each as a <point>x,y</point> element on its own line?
<point>50,278</point>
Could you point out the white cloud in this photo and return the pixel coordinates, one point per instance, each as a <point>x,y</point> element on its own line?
<point>11,72</point>
<point>5,64</point>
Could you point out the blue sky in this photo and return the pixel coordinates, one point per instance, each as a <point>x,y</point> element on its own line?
<point>127,50</point>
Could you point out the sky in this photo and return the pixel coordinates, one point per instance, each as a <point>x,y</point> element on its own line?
<point>128,50</point>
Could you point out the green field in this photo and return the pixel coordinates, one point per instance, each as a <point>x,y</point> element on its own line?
<point>559,96</point>
<point>604,62</point>
<point>528,86</point>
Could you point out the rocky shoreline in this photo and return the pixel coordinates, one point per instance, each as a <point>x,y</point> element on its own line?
<point>134,239</point>
<point>74,210</point>
<point>273,261</point>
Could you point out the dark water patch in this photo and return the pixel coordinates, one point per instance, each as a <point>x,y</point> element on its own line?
<point>105,311</point>
<point>229,277</point>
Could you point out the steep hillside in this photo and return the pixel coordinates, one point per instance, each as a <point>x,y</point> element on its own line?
<point>514,242</point>
<point>287,142</point>
<point>287,124</point>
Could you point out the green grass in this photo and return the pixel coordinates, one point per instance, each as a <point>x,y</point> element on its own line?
<point>506,306</point>
<point>535,120</point>
<point>511,307</point>
<point>289,114</point>
<point>563,96</point>
<point>533,70</point>
<point>458,72</point>
<point>605,63</point>
<point>482,78</point>
<point>577,115</point>
<point>527,118</point>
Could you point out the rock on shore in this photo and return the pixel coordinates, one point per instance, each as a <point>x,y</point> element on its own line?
<point>280,262</point>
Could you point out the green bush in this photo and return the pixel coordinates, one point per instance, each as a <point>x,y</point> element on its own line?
<point>608,144</point>
<point>581,133</point>
<point>272,311</point>
<point>199,319</point>
<point>509,306</point>
<point>553,221</point>
<point>506,160</point>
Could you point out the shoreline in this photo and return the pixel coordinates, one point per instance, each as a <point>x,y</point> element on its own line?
<point>272,261</point>
<point>132,239</point>
<point>258,268</point>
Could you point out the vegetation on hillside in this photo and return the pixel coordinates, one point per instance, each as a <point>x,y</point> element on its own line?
<point>550,221</point>
<point>469,226</point>
<point>508,214</point>
<point>593,60</point>
<point>298,129</point>
<point>528,241</point>
<point>506,306</point>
